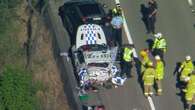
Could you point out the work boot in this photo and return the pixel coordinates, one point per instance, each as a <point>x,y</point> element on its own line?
<point>159,92</point>
<point>150,94</point>
<point>146,95</point>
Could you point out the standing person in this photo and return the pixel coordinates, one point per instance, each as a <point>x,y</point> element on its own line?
<point>160,46</point>
<point>152,11</point>
<point>144,59</point>
<point>159,74</point>
<point>117,22</point>
<point>117,10</point>
<point>127,60</point>
<point>186,69</point>
<point>148,79</point>
<point>190,91</point>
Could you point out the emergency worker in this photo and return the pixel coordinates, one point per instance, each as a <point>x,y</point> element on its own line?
<point>190,91</point>
<point>148,79</point>
<point>186,69</point>
<point>159,74</point>
<point>152,9</point>
<point>144,59</point>
<point>160,46</point>
<point>127,60</point>
<point>117,23</point>
<point>117,10</point>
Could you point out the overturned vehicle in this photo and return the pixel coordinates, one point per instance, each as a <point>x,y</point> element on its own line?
<point>94,61</point>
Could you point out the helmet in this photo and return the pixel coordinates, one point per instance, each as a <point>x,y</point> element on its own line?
<point>150,63</point>
<point>158,35</point>
<point>188,57</point>
<point>157,57</point>
<point>143,53</point>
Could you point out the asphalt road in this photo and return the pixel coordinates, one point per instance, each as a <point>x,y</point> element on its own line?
<point>176,22</point>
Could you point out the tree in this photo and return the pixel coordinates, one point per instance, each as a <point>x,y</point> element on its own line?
<point>16,90</point>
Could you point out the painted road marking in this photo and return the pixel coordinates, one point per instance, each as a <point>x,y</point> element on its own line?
<point>128,34</point>
<point>151,103</point>
<point>131,42</point>
<point>190,2</point>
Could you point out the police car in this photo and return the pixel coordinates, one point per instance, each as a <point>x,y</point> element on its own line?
<point>94,61</point>
<point>76,13</point>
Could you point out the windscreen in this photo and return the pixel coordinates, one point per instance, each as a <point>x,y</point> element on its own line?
<point>90,9</point>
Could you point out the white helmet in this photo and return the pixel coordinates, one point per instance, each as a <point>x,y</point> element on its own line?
<point>158,35</point>
<point>157,57</point>
<point>188,57</point>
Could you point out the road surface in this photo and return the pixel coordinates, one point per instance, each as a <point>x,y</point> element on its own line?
<point>176,22</point>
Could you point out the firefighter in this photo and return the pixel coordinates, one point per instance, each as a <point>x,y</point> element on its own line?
<point>127,60</point>
<point>190,91</point>
<point>144,59</point>
<point>186,69</point>
<point>159,74</point>
<point>160,46</point>
<point>148,79</point>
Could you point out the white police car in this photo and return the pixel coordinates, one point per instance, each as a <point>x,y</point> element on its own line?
<point>93,59</point>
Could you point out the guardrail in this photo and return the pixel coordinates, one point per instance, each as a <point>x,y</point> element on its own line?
<point>61,44</point>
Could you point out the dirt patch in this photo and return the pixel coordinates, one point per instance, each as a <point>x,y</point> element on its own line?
<point>46,71</point>
<point>43,65</point>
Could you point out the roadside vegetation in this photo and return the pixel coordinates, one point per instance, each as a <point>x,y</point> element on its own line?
<point>29,78</point>
<point>17,92</point>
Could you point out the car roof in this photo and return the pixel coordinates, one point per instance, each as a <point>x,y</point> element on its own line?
<point>89,34</point>
<point>79,2</point>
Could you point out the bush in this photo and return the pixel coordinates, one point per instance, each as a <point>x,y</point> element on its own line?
<point>17,91</point>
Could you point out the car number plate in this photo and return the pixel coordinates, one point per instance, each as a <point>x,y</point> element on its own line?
<point>97,18</point>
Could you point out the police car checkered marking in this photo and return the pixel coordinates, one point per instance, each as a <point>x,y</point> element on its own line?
<point>90,34</point>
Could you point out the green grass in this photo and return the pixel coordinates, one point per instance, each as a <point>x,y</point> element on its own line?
<point>17,90</point>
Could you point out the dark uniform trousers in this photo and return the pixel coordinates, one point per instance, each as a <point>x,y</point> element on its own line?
<point>151,24</point>
<point>126,68</point>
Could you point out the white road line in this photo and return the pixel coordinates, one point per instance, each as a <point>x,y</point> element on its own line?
<point>190,2</point>
<point>151,103</point>
<point>128,34</point>
<point>131,42</point>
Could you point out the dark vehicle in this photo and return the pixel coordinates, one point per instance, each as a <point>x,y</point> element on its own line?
<point>76,13</point>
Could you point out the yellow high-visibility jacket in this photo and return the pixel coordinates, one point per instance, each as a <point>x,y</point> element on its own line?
<point>128,54</point>
<point>148,76</point>
<point>144,62</point>
<point>159,70</point>
<point>190,90</point>
<point>160,44</point>
<point>187,68</point>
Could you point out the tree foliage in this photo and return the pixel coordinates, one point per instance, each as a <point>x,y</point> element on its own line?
<point>16,90</point>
